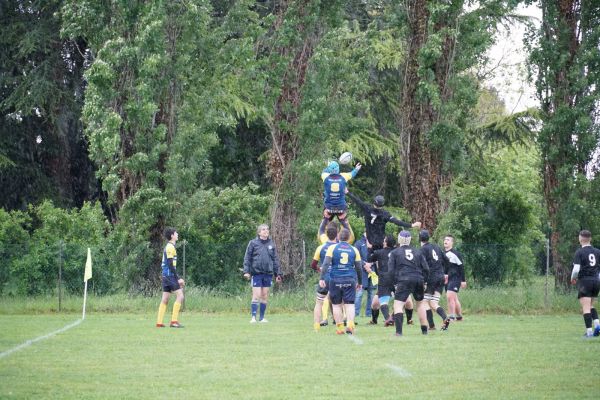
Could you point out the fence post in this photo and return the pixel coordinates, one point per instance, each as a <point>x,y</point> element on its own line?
<point>547,272</point>
<point>60,261</point>
<point>304,271</point>
<point>184,276</point>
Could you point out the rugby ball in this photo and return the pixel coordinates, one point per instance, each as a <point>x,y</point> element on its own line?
<point>345,158</point>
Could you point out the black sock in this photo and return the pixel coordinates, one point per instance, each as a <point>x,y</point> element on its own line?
<point>408,314</point>
<point>424,329</point>
<point>587,318</point>
<point>385,310</point>
<point>430,318</point>
<point>441,313</point>
<point>398,320</point>
<point>594,313</point>
<point>374,315</point>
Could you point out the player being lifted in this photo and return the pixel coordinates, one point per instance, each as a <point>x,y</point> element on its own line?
<point>586,275</point>
<point>376,218</point>
<point>343,262</point>
<point>334,192</point>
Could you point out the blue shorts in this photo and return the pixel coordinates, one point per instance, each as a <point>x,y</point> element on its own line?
<point>262,280</point>
<point>342,290</point>
<point>170,284</point>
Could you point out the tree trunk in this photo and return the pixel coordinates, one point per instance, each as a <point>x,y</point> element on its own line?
<point>423,175</point>
<point>284,150</point>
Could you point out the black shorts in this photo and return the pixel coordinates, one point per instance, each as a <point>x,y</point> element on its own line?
<point>588,287</point>
<point>385,289</point>
<point>405,288</point>
<point>324,290</point>
<point>435,284</point>
<point>342,290</point>
<point>453,285</point>
<point>170,284</point>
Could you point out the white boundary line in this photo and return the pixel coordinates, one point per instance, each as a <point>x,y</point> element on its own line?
<point>355,339</point>
<point>399,371</point>
<point>37,339</point>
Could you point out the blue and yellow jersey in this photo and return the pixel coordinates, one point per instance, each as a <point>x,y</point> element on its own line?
<point>334,186</point>
<point>322,236</point>
<point>343,258</point>
<point>320,254</point>
<point>169,253</point>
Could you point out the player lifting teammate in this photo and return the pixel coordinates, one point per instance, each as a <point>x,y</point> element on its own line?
<point>343,262</point>
<point>586,275</point>
<point>319,256</point>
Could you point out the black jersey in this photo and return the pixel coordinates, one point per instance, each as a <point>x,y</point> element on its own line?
<point>382,257</point>
<point>435,259</point>
<point>588,259</point>
<point>454,266</point>
<point>407,263</point>
<point>375,221</point>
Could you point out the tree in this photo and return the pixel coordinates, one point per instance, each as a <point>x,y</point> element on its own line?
<point>41,94</point>
<point>435,91</point>
<point>163,77</point>
<point>565,62</point>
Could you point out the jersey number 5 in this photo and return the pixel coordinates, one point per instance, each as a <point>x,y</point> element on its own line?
<point>408,254</point>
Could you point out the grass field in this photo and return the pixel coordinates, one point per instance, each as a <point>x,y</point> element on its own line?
<point>220,356</point>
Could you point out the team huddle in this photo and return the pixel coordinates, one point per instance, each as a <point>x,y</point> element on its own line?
<point>388,266</point>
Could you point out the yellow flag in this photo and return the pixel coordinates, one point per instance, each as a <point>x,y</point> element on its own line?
<point>88,267</point>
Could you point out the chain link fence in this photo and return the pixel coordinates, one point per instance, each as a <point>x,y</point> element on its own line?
<point>58,268</point>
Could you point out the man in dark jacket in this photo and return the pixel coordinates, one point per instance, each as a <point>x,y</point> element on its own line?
<point>376,218</point>
<point>260,264</point>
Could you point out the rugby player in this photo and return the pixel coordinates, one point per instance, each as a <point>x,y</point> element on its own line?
<point>320,252</point>
<point>376,218</point>
<point>454,277</point>
<point>334,192</point>
<point>344,264</point>
<point>586,275</point>
<point>435,283</point>
<point>171,282</point>
<point>410,271</point>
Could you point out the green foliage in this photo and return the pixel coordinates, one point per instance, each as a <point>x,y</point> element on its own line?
<point>563,60</point>
<point>498,205</point>
<point>216,225</point>
<point>36,244</point>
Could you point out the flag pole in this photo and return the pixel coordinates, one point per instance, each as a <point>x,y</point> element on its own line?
<point>84,299</point>
<point>86,276</point>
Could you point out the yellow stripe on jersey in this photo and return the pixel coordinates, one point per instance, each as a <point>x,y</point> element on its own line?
<point>171,252</point>
<point>317,255</point>
<point>357,254</point>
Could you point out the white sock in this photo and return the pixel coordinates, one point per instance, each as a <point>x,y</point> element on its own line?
<point>589,331</point>
<point>596,323</point>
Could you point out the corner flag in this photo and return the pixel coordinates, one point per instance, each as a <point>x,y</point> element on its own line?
<point>87,275</point>
<point>88,266</point>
